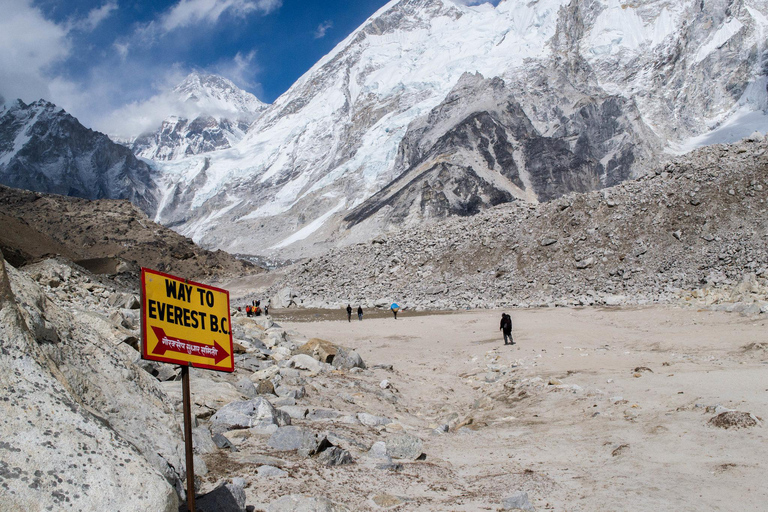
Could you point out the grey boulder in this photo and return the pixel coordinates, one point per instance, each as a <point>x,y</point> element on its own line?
<point>247,414</point>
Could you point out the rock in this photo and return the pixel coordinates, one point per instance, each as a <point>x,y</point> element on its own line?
<point>390,466</point>
<point>323,414</point>
<point>223,442</point>
<point>370,420</point>
<point>323,351</point>
<point>99,374</point>
<point>247,414</point>
<point>226,497</point>
<point>202,441</point>
<point>246,387</point>
<point>734,419</point>
<point>290,438</point>
<point>404,446</point>
<point>335,456</point>
<point>300,503</point>
<point>518,501</point>
<point>548,241</point>
<point>270,471</point>
<point>378,450</point>
<point>387,500</point>
<point>291,392</point>
<point>265,387</point>
<point>347,358</point>
<point>46,431</point>
<point>296,412</point>
<point>306,362</point>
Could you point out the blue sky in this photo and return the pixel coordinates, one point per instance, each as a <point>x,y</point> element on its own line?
<point>94,57</point>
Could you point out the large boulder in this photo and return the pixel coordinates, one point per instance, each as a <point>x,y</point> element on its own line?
<point>55,452</point>
<point>226,497</point>
<point>303,440</point>
<point>404,446</point>
<point>323,351</point>
<point>258,413</point>
<point>100,371</point>
<point>347,358</point>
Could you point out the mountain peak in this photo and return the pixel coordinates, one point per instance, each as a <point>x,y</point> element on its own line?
<point>214,93</point>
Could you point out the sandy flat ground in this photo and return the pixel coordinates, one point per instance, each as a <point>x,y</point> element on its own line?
<point>563,415</point>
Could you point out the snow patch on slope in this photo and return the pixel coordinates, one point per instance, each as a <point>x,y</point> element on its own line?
<point>310,228</point>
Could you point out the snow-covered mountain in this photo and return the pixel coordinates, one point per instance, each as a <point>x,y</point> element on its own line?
<point>433,108</point>
<point>42,148</point>
<point>212,113</point>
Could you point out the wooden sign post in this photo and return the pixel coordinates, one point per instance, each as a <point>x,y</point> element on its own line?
<point>185,323</point>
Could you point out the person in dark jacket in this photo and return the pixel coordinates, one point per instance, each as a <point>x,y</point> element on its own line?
<point>360,313</point>
<point>506,327</point>
<point>349,313</point>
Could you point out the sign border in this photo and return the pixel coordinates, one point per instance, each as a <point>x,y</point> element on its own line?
<point>161,359</point>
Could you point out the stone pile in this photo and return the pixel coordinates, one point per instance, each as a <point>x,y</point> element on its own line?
<point>696,229</point>
<point>85,415</point>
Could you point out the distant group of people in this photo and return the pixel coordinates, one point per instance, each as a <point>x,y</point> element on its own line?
<point>359,313</point>
<point>394,308</point>
<point>255,308</point>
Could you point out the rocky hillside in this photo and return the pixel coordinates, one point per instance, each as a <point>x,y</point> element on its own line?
<point>45,149</point>
<point>698,223</point>
<point>106,236</point>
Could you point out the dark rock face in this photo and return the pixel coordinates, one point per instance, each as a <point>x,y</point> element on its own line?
<point>459,159</point>
<point>44,149</point>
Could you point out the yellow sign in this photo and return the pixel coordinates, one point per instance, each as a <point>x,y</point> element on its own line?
<point>184,322</point>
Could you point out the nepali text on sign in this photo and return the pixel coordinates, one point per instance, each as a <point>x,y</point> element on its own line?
<point>184,322</point>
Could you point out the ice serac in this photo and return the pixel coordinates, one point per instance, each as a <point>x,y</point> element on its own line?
<point>213,113</point>
<point>432,108</point>
<point>42,148</point>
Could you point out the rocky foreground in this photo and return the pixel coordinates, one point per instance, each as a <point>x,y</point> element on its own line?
<point>432,413</point>
<point>696,229</point>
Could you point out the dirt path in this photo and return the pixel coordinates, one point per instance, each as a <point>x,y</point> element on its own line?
<point>593,409</point>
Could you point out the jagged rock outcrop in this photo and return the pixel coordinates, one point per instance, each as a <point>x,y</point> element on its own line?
<point>42,148</point>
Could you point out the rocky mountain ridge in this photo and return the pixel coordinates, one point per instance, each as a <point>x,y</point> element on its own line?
<point>695,229</point>
<point>42,148</point>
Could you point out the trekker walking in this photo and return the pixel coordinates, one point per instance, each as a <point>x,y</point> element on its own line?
<point>349,313</point>
<point>506,327</point>
<point>395,308</point>
<point>360,313</point>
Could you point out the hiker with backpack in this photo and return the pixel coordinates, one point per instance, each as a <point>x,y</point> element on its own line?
<point>506,327</point>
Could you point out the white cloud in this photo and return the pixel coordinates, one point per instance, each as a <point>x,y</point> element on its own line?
<point>95,17</point>
<point>190,12</point>
<point>29,46</point>
<point>147,115</point>
<point>242,69</point>
<point>322,29</point>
